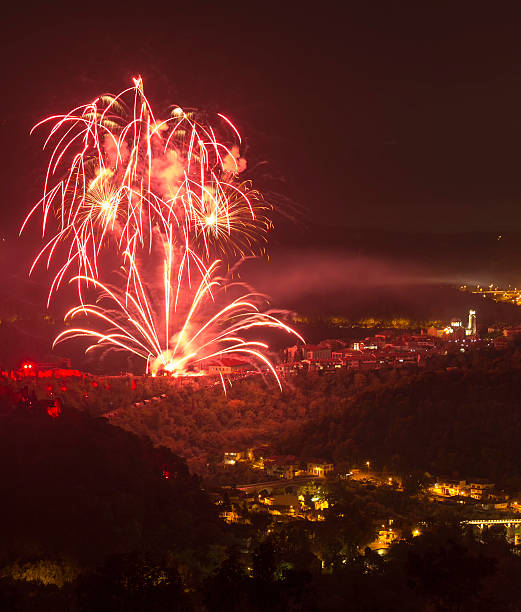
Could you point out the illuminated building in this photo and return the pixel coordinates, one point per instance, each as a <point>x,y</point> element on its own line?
<point>476,489</point>
<point>439,332</point>
<point>512,332</point>
<point>450,488</point>
<point>455,331</point>
<point>480,488</point>
<point>386,536</point>
<point>471,327</point>
<point>317,352</point>
<point>230,516</point>
<point>319,468</point>
<point>283,503</point>
<point>281,467</point>
<point>310,351</point>
<point>227,366</point>
<point>231,458</point>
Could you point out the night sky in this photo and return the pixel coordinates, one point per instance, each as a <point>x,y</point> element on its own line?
<point>385,116</point>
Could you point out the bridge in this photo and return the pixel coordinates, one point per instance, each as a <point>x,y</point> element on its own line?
<point>500,295</point>
<point>273,485</point>
<point>509,522</point>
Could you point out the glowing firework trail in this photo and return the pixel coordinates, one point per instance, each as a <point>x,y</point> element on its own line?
<point>176,339</point>
<point>115,173</point>
<point>229,223</point>
<point>121,181</point>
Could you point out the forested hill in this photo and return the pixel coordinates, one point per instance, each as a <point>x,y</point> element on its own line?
<point>459,415</point>
<point>462,420</point>
<point>77,490</point>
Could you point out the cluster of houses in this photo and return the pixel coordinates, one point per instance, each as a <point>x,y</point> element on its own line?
<point>508,335</point>
<point>371,353</point>
<point>282,501</point>
<point>478,492</point>
<point>297,490</point>
<point>287,502</point>
<point>388,348</point>
<point>285,467</point>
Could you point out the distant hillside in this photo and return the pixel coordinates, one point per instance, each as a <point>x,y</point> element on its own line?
<point>463,419</point>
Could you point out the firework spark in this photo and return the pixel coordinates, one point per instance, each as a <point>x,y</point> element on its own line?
<point>121,181</point>
<point>116,172</point>
<point>172,335</point>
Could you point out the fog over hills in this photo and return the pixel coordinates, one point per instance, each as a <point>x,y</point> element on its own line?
<point>318,272</point>
<point>361,273</point>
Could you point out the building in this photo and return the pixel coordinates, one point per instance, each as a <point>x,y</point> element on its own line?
<point>227,366</point>
<point>283,503</point>
<point>230,516</point>
<point>231,458</point>
<point>512,332</point>
<point>480,489</point>
<point>477,488</point>
<point>437,332</point>
<point>501,342</point>
<point>449,487</point>
<point>281,467</point>
<point>319,468</point>
<point>471,327</point>
<point>317,353</point>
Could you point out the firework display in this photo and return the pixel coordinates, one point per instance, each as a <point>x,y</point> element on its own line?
<point>165,197</point>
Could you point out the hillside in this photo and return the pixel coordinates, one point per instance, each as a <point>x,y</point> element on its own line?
<point>461,420</point>
<point>421,420</point>
<point>80,490</point>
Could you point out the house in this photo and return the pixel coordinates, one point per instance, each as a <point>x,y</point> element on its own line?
<point>480,488</point>
<point>231,457</point>
<point>230,516</point>
<point>227,365</point>
<point>281,467</point>
<point>449,487</point>
<point>319,468</point>
<point>284,503</point>
<point>317,353</point>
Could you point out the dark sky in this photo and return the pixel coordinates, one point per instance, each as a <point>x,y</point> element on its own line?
<point>387,115</point>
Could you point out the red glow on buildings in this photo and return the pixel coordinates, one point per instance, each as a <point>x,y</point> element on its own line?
<point>54,409</point>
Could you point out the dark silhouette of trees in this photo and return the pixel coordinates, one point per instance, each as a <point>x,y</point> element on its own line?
<point>132,583</point>
<point>78,490</point>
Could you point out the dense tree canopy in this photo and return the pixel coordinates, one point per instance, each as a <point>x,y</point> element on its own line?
<point>76,489</point>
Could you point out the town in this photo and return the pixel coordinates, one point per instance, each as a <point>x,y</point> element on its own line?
<point>385,348</point>
<point>292,491</point>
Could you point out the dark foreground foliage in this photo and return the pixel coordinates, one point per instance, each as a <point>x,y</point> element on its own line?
<point>440,570</point>
<point>77,490</point>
